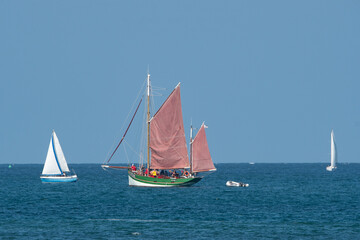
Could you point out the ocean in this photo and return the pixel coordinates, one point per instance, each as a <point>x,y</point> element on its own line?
<point>283,201</point>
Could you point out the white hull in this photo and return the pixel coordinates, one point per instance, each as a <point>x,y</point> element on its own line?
<point>72,178</point>
<point>330,168</point>
<point>133,182</point>
<point>236,184</point>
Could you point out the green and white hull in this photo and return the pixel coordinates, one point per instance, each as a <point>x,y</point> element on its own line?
<point>145,181</point>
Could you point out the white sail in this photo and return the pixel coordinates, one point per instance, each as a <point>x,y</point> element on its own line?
<point>333,159</point>
<point>60,154</point>
<point>51,166</point>
<point>333,150</point>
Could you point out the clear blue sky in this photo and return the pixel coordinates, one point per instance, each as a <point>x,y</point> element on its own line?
<point>270,78</point>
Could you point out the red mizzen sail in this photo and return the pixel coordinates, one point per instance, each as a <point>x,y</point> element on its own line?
<point>167,135</point>
<point>201,161</point>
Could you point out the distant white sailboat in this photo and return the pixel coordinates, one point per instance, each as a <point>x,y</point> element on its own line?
<point>55,167</point>
<point>333,161</point>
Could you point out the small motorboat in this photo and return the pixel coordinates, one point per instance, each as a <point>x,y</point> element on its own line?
<point>236,184</point>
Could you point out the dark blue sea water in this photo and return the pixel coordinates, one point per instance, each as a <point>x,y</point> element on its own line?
<point>284,201</point>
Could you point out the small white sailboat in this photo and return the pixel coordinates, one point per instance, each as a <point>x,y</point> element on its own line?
<point>236,184</point>
<point>333,160</point>
<point>55,167</point>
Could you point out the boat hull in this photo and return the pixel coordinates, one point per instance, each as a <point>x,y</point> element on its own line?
<point>145,181</point>
<point>72,178</point>
<point>236,184</point>
<point>330,168</point>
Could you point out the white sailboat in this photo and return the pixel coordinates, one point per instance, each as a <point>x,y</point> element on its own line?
<point>333,160</point>
<point>55,167</point>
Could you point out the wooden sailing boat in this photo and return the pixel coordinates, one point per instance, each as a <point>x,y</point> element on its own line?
<point>333,159</point>
<point>55,167</point>
<point>168,164</point>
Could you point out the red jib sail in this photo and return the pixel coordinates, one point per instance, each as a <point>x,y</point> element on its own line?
<point>167,135</point>
<point>201,161</point>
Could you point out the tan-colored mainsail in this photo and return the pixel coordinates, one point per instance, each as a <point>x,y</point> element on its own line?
<point>201,158</point>
<point>167,135</point>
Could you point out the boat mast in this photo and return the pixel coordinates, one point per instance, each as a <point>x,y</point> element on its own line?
<point>191,132</point>
<point>148,122</point>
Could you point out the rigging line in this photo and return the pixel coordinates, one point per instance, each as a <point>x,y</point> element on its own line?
<point>131,148</point>
<point>132,107</point>
<point>127,157</point>
<point>158,88</point>
<point>125,132</point>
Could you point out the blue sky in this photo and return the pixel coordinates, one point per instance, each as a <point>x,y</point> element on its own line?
<point>270,78</point>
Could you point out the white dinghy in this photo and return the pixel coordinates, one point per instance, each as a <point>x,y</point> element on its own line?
<point>236,184</point>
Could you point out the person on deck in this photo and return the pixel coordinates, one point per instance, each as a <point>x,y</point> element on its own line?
<point>133,168</point>
<point>153,173</point>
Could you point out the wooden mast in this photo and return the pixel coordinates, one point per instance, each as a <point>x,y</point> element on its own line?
<point>148,122</point>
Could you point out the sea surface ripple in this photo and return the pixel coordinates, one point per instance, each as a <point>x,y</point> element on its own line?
<point>283,201</point>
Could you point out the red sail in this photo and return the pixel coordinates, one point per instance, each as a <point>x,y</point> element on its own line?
<point>202,161</point>
<point>167,135</point>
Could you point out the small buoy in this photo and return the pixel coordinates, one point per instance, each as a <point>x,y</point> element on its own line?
<point>135,233</point>
<point>10,166</point>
